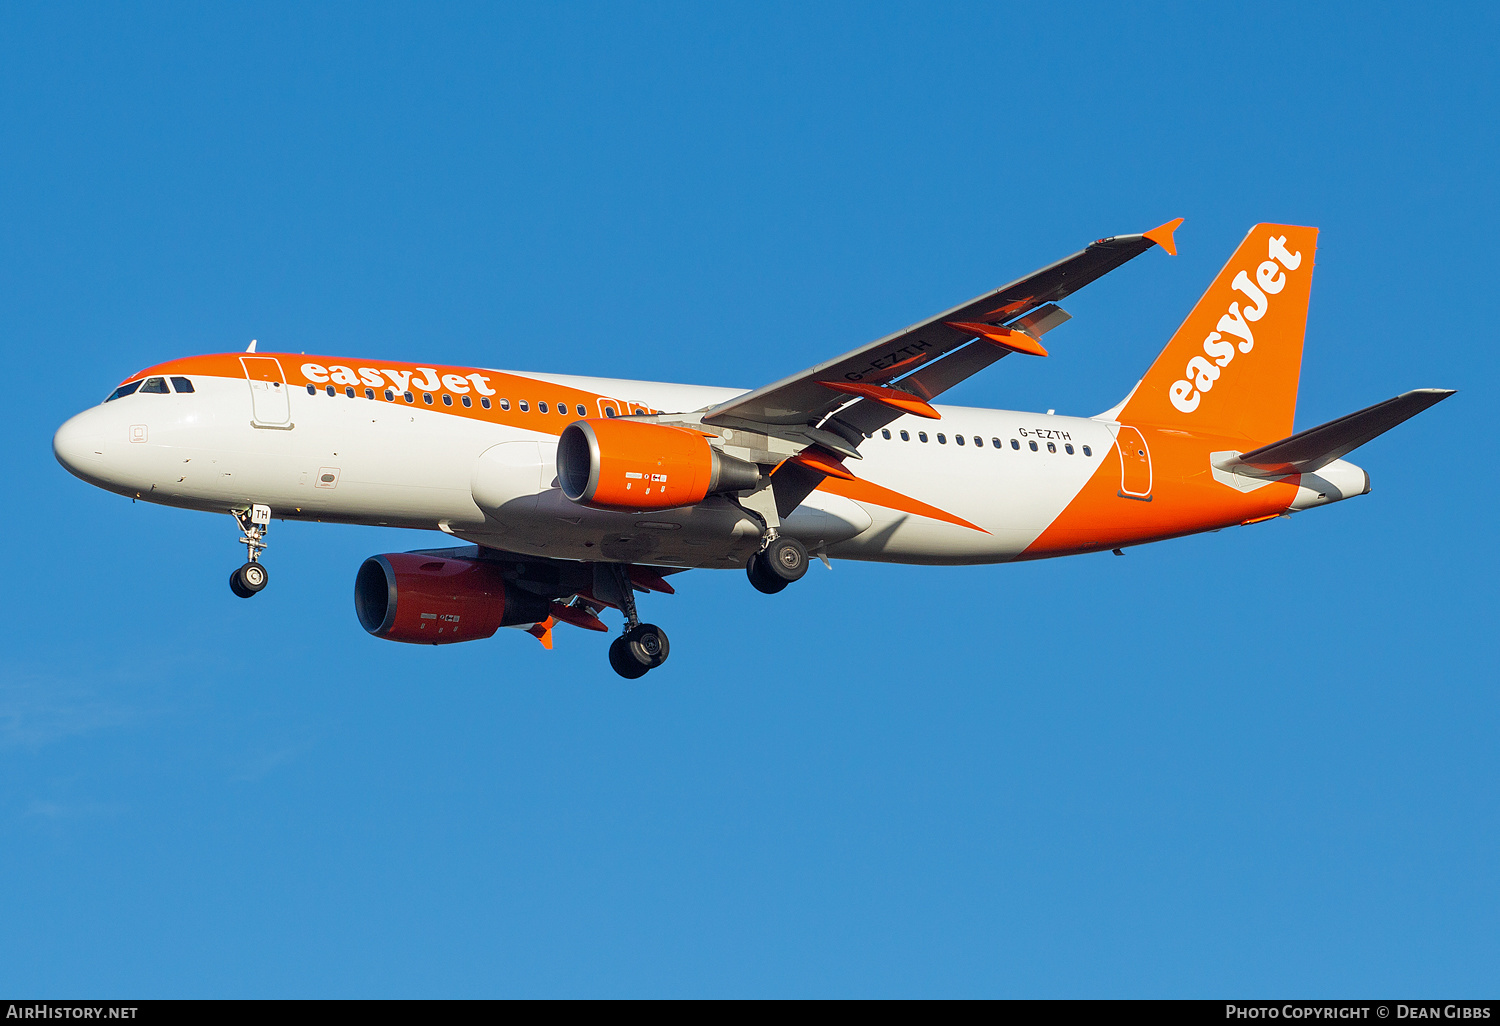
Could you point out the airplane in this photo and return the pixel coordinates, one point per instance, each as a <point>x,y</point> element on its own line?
<point>573,494</point>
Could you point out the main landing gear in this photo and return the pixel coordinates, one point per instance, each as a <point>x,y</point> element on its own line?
<point>250,579</point>
<point>643,646</point>
<point>781,562</point>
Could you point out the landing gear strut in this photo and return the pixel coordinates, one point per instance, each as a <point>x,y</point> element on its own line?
<point>781,562</point>
<point>251,578</point>
<point>642,646</point>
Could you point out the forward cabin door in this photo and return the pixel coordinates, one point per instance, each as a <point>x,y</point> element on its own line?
<point>1135,464</point>
<point>270,406</point>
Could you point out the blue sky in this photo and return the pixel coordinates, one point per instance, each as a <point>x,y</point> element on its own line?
<point>1259,762</point>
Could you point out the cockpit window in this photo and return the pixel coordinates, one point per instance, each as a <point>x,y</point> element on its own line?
<point>181,385</point>
<point>155,385</point>
<point>123,391</point>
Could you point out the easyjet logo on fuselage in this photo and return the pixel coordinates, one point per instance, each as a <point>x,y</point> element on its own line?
<point>429,380</point>
<point>1203,371</point>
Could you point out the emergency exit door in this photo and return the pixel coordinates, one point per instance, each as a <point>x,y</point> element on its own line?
<point>270,406</point>
<point>1135,464</point>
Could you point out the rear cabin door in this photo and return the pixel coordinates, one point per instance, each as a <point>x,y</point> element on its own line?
<point>1135,464</point>
<point>270,406</point>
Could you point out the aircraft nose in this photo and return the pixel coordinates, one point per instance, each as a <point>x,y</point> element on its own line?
<point>79,445</point>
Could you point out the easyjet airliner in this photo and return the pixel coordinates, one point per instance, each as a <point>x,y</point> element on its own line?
<point>575,493</point>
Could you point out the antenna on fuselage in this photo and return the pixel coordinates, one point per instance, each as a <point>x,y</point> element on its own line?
<point>251,347</point>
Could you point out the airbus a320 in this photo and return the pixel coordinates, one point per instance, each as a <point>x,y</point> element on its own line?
<point>572,495</point>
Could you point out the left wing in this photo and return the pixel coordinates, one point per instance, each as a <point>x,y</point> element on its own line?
<point>935,354</point>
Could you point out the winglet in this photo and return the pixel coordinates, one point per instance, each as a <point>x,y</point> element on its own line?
<point>251,347</point>
<point>1162,235</point>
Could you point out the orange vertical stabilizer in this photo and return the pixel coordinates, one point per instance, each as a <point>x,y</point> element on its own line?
<point>1232,368</point>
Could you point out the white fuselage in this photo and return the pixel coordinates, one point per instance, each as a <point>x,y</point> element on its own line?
<point>362,461</point>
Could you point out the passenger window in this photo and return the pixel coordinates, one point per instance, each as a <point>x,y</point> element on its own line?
<point>959,439</point>
<point>921,436</point>
<point>390,396</point>
<point>504,404</point>
<point>408,397</point>
<point>330,390</point>
<point>1033,446</point>
<point>996,443</point>
<point>181,385</point>
<point>1087,451</point>
<point>427,398</point>
<point>562,408</point>
<point>885,433</point>
<point>541,407</point>
<point>978,442</point>
<point>369,393</point>
<point>123,391</point>
<point>609,411</point>
<point>640,413</point>
<point>486,403</point>
<point>1015,444</point>
<point>942,438</point>
<point>312,389</point>
<point>447,399</point>
<point>1051,446</point>
<point>349,391</point>
<point>1069,448</point>
<point>155,385</point>
<point>905,437</point>
<point>525,406</point>
<point>467,401</point>
<point>583,411</point>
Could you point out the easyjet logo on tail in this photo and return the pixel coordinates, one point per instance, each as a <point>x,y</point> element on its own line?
<point>1203,371</point>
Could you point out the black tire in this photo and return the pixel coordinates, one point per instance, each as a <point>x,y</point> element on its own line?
<point>762,578</point>
<point>647,644</point>
<point>786,558</point>
<point>623,662</point>
<point>254,577</point>
<point>249,580</point>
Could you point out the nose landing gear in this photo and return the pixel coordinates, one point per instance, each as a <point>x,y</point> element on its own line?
<point>642,647</point>
<point>250,579</point>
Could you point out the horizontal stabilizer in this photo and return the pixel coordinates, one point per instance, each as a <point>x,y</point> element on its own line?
<point>1311,450</point>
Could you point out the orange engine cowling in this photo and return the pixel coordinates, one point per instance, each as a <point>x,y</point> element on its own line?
<point>629,465</point>
<point>437,600</point>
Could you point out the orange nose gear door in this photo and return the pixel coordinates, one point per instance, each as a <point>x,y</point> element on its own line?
<point>1135,464</point>
<point>270,407</point>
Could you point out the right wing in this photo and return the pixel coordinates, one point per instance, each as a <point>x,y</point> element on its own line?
<point>935,354</point>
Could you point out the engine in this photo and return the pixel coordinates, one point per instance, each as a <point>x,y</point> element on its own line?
<point>437,600</point>
<point>633,466</point>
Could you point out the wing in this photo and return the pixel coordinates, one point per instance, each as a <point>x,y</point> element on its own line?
<point>933,355</point>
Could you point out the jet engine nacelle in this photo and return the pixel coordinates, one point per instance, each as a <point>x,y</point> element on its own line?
<point>633,466</point>
<point>437,600</point>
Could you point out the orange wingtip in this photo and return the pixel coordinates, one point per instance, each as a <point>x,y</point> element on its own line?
<point>542,632</point>
<point>892,397</point>
<point>1005,338</point>
<point>823,463</point>
<point>1162,236</point>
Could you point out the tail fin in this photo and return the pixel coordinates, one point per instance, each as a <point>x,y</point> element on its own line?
<point>1232,368</point>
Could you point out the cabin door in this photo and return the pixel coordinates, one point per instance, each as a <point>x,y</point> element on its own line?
<point>1135,464</point>
<point>270,406</point>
